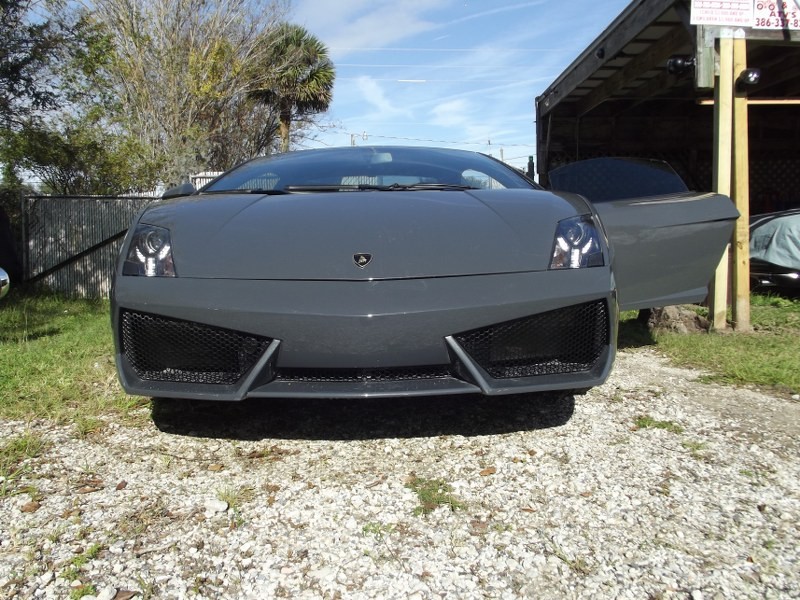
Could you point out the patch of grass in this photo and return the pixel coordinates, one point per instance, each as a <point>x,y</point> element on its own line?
<point>87,425</point>
<point>56,361</point>
<point>696,449</point>
<point>79,592</point>
<point>766,357</point>
<point>16,450</point>
<point>431,494</point>
<point>93,551</point>
<point>648,422</point>
<point>235,496</point>
<point>71,573</point>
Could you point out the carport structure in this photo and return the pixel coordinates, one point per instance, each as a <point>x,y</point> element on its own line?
<point>654,84</point>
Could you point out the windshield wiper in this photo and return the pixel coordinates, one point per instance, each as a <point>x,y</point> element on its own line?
<point>446,187</point>
<point>366,187</point>
<point>267,192</point>
<point>247,191</point>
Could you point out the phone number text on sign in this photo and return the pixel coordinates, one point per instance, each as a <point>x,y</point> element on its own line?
<point>777,14</point>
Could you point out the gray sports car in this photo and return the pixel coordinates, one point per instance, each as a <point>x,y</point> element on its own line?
<point>393,271</point>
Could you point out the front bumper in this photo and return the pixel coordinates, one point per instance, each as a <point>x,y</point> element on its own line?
<point>490,334</point>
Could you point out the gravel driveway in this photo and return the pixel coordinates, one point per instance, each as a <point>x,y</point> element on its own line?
<point>653,486</point>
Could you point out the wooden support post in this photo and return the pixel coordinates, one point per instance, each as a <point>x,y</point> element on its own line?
<point>723,152</point>
<point>741,195</point>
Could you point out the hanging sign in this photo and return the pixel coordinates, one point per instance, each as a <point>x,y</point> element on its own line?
<point>776,14</point>
<point>725,13</point>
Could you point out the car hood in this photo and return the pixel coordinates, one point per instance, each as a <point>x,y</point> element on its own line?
<point>408,234</point>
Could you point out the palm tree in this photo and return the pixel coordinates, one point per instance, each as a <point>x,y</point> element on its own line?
<point>303,80</point>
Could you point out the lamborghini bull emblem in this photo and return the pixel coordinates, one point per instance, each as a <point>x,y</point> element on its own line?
<point>362,259</point>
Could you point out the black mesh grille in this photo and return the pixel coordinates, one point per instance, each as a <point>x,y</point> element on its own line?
<point>566,340</point>
<point>365,375</point>
<point>162,349</point>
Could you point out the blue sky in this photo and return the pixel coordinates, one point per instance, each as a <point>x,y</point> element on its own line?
<point>455,73</point>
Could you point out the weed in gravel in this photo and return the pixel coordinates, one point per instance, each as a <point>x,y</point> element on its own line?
<point>235,496</point>
<point>33,492</point>
<point>696,449</point>
<point>71,573</point>
<point>88,425</point>
<point>664,487</point>
<point>377,530</point>
<point>578,565</point>
<point>431,494</point>
<point>144,517</point>
<point>17,449</point>
<point>56,534</point>
<point>12,454</point>
<point>147,588</point>
<point>82,591</point>
<point>757,478</point>
<point>648,422</point>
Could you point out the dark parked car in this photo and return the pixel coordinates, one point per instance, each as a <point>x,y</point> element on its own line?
<point>5,283</point>
<point>775,250</point>
<point>10,265</point>
<point>390,271</point>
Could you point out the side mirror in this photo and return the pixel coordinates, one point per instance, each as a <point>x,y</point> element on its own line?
<point>184,189</point>
<point>5,283</point>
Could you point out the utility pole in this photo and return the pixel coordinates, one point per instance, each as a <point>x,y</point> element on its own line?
<point>363,136</point>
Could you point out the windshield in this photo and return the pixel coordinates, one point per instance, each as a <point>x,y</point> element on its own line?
<point>369,169</point>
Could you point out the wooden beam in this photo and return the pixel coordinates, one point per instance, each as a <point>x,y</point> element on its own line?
<point>649,89</point>
<point>755,101</point>
<point>630,23</point>
<point>655,57</point>
<point>723,150</point>
<point>741,194</point>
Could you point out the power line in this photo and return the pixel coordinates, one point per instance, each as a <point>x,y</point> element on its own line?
<point>475,80</point>
<point>417,66</point>
<point>462,143</point>
<point>481,49</point>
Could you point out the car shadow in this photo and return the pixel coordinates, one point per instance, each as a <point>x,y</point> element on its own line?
<point>634,333</point>
<point>362,418</point>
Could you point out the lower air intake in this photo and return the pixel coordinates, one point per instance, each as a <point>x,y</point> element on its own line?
<point>557,342</point>
<point>363,375</point>
<point>164,349</point>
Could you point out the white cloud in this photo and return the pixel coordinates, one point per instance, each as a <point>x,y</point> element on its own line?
<point>373,94</point>
<point>494,11</point>
<point>453,113</point>
<point>352,24</point>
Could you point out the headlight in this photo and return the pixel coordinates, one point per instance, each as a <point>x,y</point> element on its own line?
<point>577,244</point>
<point>150,253</point>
